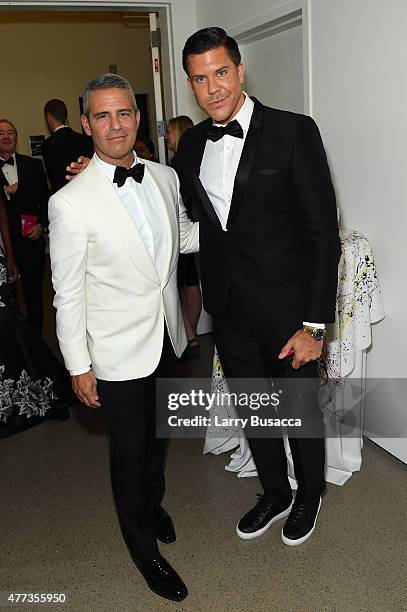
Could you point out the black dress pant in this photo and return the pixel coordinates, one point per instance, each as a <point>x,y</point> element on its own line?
<point>250,349</point>
<point>30,258</point>
<point>137,457</point>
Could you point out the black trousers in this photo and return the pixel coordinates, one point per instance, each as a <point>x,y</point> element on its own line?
<point>137,457</point>
<point>30,258</point>
<point>250,349</point>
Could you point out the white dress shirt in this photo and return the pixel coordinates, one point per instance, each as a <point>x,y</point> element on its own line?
<point>219,166</point>
<point>220,161</point>
<point>10,172</point>
<point>139,201</point>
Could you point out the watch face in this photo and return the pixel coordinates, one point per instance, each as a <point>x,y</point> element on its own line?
<point>319,334</point>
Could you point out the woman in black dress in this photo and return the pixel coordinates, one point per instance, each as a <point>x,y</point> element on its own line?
<point>34,385</point>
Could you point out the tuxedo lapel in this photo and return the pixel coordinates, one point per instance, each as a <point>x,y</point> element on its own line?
<point>246,162</point>
<point>197,155</point>
<point>122,223</point>
<point>170,222</point>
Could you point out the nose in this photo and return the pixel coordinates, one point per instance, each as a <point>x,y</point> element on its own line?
<point>115,123</point>
<point>213,85</point>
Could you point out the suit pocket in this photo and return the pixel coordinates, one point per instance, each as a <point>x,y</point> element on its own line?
<point>270,171</point>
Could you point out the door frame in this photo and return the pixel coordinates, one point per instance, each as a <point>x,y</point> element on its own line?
<point>290,15</point>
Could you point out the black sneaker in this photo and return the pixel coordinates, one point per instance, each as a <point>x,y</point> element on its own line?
<point>261,517</point>
<point>301,522</point>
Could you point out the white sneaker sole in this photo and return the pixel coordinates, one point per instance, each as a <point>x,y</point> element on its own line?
<point>304,538</point>
<point>256,534</point>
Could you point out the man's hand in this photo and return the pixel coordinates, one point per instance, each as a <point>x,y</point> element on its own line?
<point>12,270</point>
<point>35,232</point>
<point>305,349</point>
<point>77,167</point>
<point>11,188</point>
<point>85,388</point>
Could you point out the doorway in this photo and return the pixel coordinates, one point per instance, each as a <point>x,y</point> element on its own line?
<point>60,50</point>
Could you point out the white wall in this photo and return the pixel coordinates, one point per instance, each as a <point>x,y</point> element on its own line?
<point>359,59</point>
<point>280,58</point>
<point>228,14</point>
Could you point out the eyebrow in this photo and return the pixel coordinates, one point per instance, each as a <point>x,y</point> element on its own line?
<point>194,76</point>
<point>120,110</point>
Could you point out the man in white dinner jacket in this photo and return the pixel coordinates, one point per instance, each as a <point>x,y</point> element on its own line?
<point>115,234</point>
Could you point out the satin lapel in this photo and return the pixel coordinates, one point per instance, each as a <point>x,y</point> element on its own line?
<point>166,202</point>
<point>246,162</point>
<point>198,151</point>
<point>122,223</point>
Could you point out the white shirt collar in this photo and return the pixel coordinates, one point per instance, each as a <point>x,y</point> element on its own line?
<point>109,169</point>
<point>245,113</point>
<point>60,127</point>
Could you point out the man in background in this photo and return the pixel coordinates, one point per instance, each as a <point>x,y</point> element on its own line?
<point>25,185</point>
<point>63,145</point>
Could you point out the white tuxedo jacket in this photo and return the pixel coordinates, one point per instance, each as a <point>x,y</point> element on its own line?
<point>110,299</point>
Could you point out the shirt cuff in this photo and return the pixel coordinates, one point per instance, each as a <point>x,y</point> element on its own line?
<point>80,371</point>
<point>316,325</point>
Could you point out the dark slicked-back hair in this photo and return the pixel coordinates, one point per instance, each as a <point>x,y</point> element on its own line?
<point>208,39</point>
<point>57,109</point>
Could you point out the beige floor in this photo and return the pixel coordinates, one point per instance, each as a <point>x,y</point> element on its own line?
<point>59,531</point>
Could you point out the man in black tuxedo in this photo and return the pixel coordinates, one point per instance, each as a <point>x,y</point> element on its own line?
<point>269,252</point>
<point>63,145</point>
<point>25,184</point>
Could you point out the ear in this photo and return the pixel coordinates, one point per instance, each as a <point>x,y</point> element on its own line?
<point>85,125</point>
<point>137,117</point>
<point>240,72</point>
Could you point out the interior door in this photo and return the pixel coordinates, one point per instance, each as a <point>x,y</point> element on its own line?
<point>274,68</point>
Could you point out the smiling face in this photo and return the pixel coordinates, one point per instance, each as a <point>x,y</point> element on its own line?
<point>113,123</point>
<point>8,139</point>
<point>217,84</point>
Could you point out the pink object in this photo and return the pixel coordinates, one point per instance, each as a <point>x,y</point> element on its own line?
<point>27,222</point>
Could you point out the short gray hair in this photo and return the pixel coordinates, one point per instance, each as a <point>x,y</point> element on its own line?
<point>106,81</point>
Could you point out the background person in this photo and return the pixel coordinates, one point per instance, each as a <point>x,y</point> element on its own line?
<point>188,278</point>
<point>63,145</point>
<point>33,384</point>
<point>25,186</point>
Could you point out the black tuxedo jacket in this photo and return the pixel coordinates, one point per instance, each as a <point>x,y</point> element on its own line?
<point>279,256</point>
<point>59,150</point>
<point>31,197</point>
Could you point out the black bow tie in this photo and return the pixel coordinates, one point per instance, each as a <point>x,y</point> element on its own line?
<point>233,129</point>
<point>121,174</point>
<point>10,161</point>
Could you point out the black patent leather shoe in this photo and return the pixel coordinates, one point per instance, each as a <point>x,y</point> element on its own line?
<point>301,522</point>
<point>162,579</point>
<point>261,517</point>
<point>164,529</point>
